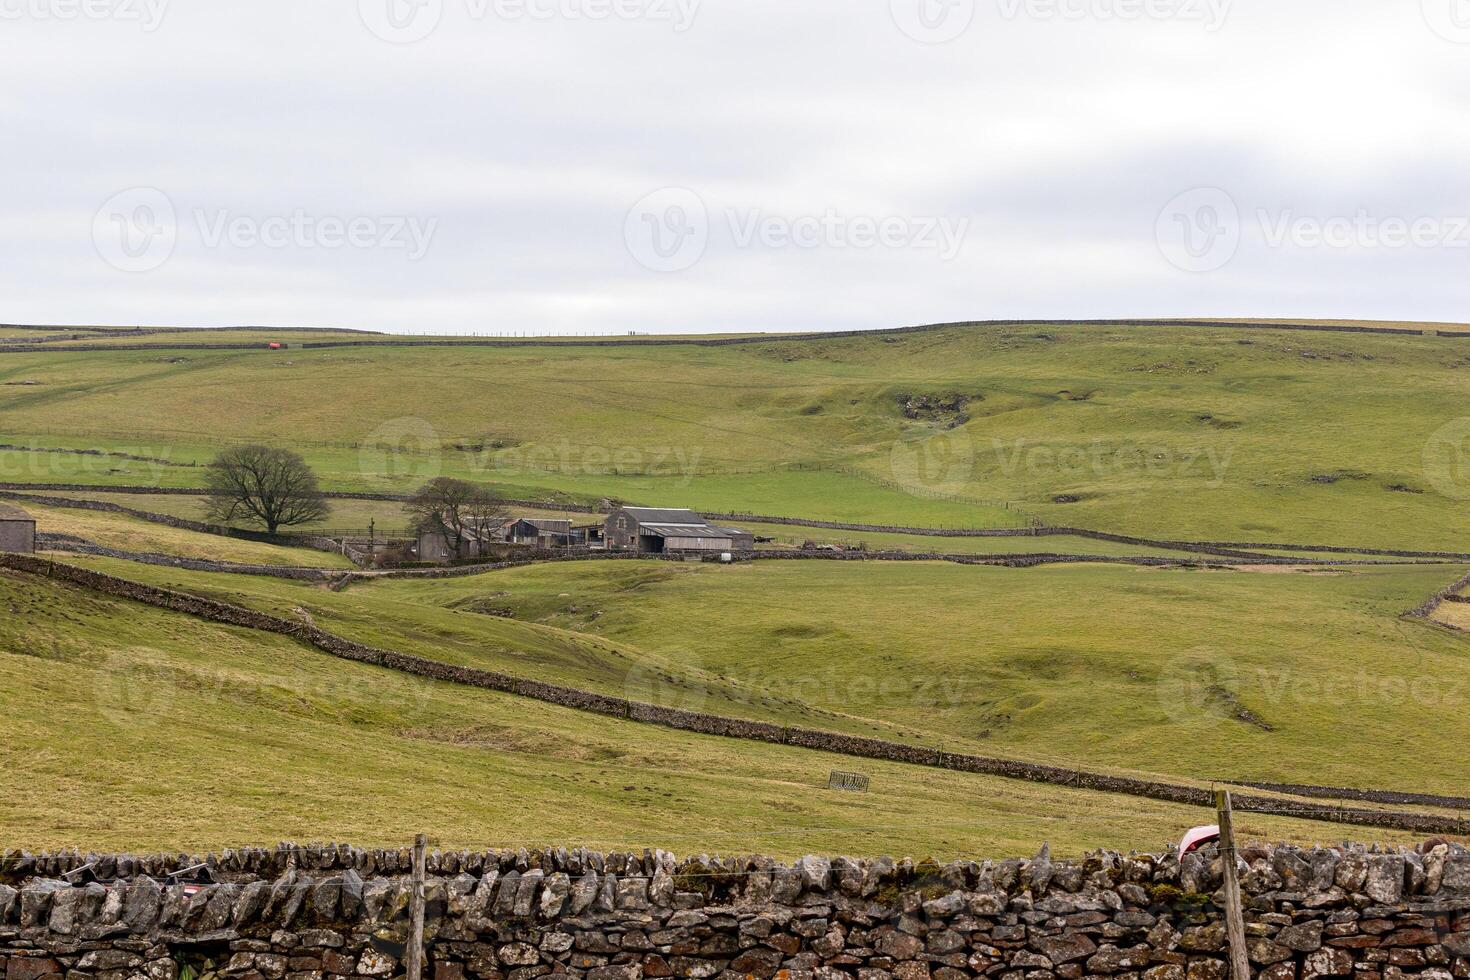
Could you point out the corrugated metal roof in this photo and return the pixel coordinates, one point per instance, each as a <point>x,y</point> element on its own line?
<point>682,531</point>
<point>658,515</point>
<point>549,523</point>
<point>11,513</point>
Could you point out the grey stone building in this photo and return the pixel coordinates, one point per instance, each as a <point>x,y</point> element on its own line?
<point>542,532</point>
<point>17,530</point>
<point>654,530</point>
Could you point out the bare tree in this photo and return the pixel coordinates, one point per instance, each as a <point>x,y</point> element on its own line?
<point>458,509</point>
<point>263,485</point>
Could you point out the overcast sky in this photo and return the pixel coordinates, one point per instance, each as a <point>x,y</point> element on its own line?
<point>581,166</point>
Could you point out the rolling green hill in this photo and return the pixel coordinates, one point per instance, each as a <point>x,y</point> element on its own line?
<point>179,733</point>
<point>182,734</point>
<point>1270,674</point>
<point>1320,438</point>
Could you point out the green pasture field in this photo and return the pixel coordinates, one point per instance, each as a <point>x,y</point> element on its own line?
<point>1278,675</point>
<point>1316,438</point>
<point>483,639</point>
<point>178,733</point>
<point>130,534</point>
<point>1282,676</point>
<point>181,735</point>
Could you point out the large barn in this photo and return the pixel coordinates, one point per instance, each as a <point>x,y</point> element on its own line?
<point>654,530</point>
<point>17,530</point>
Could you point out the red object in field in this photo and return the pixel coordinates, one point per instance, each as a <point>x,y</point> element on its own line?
<point>275,346</point>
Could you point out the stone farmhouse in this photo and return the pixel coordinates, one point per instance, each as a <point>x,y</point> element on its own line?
<point>654,530</point>
<point>433,546</point>
<point>17,530</point>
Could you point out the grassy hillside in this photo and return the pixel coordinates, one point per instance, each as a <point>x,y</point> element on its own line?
<point>162,731</point>
<point>131,534</point>
<point>181,734</point>
<point>1266,675</point>
<point>1280,676</point>
<point>477,636</point>
<point>1185,432</point>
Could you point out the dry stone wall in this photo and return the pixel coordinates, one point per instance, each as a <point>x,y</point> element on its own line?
<point>81,546</point>
<point>340,913</point>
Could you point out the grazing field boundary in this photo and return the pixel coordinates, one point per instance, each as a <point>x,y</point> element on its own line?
<point>1365,795</point>
<point>113,454</point>
<point>1030,560</point>
<point>708,724</point>
<point>339,579</point>
<point>1431,605</point>
<point>742,340</point>
<point>81,546</point>
<point>1222,549</point>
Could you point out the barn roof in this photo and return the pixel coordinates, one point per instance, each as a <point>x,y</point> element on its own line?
<point>661,515</point>
<point>683,531</point>
<point>11,513</point>
<point>548,523</point>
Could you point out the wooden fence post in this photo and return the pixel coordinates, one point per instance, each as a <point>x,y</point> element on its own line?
<point>1240,967</point>
<point>415,965</point>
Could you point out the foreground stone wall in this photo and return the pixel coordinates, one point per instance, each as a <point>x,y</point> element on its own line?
<point>336,912</point>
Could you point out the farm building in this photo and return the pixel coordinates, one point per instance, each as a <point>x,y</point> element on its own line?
<point>543,532</point>
<point>434,545</point>
<point>17,530</point>
<point>652,530</point>
<point>589,535</point>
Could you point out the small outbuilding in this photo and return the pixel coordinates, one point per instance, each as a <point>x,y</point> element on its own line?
<point>433,546</point>
<point>542,532</point>
<point>17,530</point>
<point>655,530</point>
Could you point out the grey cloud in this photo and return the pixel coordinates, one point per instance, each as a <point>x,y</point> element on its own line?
<point>527,143</point>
